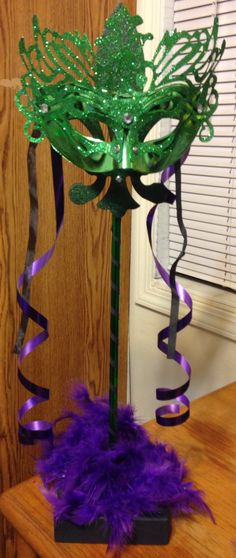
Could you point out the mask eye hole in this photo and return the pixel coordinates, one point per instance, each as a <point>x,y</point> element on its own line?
<point>162,129</point>
<point>97,130</point>
<point>81,128</point>
<point>107,134</point>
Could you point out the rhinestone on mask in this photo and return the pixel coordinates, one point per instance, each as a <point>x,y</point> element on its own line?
<point>44,107</point>
<point>128,118</point>
<point>119,178</point>
<point>200,109</point>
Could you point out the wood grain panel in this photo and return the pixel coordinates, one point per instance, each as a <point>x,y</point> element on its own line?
<point>73,291</point>
<point>23,550</point>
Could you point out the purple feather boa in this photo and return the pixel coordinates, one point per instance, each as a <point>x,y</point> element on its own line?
<point>85,479</point>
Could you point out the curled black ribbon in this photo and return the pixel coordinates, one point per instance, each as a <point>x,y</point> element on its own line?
<point>32,239</point>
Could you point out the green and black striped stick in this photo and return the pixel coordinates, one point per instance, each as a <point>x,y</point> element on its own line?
<point>114,327</point>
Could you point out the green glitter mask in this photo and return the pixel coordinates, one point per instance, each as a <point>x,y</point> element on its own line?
<point>67,81</point>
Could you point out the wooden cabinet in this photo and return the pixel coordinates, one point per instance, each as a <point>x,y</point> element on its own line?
<point>73,290</point>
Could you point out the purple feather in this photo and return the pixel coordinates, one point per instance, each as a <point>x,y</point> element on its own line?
<point>85,479</point>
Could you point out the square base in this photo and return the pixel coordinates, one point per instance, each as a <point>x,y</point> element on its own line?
<point>150,529</point>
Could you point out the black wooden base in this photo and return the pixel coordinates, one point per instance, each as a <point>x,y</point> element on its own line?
<point>149,529</point>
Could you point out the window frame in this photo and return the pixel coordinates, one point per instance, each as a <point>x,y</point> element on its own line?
<point>214,309</point>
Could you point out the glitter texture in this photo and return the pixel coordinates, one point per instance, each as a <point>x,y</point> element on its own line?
<point>64,72</point>
<point>106,86</point>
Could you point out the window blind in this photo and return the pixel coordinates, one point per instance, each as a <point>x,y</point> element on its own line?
<point>208,175</point>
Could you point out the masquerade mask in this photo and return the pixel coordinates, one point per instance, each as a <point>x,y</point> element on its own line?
<point>68,86</point>
<point>67,81</point>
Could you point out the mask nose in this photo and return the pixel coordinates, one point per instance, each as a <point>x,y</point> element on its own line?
<point>125,162</point>
<point>125,156</point>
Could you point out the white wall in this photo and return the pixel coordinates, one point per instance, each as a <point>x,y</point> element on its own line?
<point>212,356</point>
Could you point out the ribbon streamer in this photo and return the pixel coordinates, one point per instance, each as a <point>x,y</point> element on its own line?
<point>32,238</point>
<point>165,394</point>
<point>174,313</point>
<point>37,429</point>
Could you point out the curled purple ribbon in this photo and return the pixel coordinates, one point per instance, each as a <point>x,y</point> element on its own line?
<point>165,394</point>
<point>39,429</point>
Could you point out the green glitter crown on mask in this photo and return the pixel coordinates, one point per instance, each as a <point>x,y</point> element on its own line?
<point>116,68</point>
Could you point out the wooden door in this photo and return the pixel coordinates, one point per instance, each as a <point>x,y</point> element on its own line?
<point>73,290</point>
